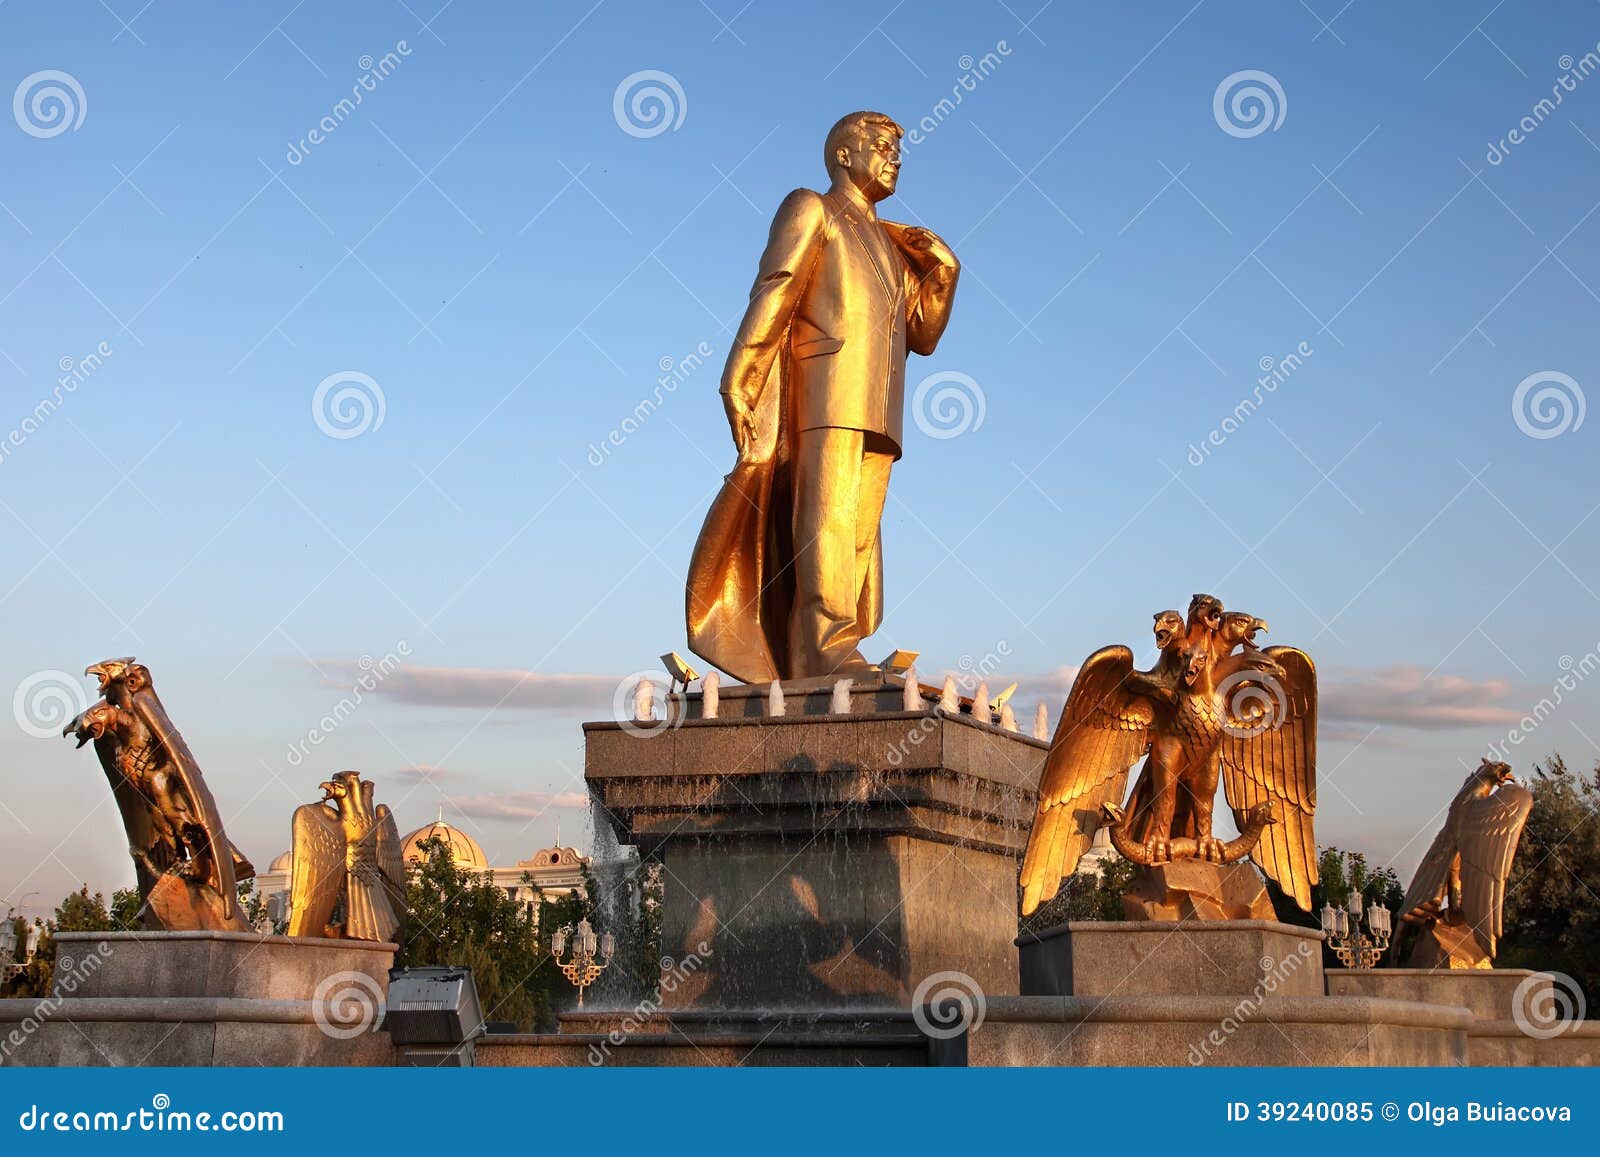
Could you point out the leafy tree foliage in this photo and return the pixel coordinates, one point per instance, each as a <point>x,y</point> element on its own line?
<point>1086,895</point>
<point>1552,912</point>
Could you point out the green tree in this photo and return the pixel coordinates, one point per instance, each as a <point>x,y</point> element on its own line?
<point>459,918</point>
<point>1086,895</point>
<point>1552,914</point>
<point>79,912</point>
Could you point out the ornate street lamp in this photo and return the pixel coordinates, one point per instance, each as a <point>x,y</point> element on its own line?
<point>581,967</point>
<point>1355,948</point>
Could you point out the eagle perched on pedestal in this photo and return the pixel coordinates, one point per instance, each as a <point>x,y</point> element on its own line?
<point>1460,885</point>
<point>345,849</point>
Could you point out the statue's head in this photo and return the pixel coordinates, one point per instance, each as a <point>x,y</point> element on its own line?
<point>864,149</point>
<point>1169,630</point>
<point>1205,611</point>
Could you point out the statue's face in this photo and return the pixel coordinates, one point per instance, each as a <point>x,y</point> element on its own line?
<point>874,162</point>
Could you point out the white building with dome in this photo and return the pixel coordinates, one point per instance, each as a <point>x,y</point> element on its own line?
<point>554,872</point>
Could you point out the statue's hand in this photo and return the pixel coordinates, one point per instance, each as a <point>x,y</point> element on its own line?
<point>741,422</point>
<point>926,241</point>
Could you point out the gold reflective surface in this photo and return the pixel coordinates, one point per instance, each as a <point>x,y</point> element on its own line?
<point>786,579</point>
<point>1214,707</point>
<point>345,849</point>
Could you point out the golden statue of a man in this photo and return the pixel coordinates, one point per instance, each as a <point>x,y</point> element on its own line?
<point>786,578</point>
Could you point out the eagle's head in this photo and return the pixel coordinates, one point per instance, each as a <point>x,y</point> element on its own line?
<point>92,723</point>
<point>1169,629</point>
<point>1238,627</point>
<point>1196,661</point>
<point>1205,611</point>
<point>1494,772</point>
<point>109,671</point>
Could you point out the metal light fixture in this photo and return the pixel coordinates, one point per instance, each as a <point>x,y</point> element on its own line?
<point>1355,948</point>
<point>591,955</point>
<point>679,669</point>
<point>898,662</point>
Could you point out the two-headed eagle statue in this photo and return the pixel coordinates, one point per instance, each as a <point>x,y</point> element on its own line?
<point>187,870</point>
<point>1214,706</point>
<point>346,852</point>
<point>1459,888</point>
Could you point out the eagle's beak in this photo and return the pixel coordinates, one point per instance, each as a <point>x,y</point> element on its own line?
<point>327,789</point>
<point>1260,625</point>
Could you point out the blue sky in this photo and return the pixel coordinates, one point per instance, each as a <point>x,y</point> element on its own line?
<point>482,239</point>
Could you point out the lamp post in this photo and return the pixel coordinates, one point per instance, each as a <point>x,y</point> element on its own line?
<point>581,967</point>
<point>1355,948</point>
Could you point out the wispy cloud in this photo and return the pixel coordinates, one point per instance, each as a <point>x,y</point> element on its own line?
<point>1401,696</point>
<point>516,805</point>
<point>489,687</point>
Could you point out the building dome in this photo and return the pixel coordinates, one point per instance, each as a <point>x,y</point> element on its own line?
<point>282,864</point>
<point>464,850</point>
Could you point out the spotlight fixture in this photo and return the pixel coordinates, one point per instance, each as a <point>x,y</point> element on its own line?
<point>680,670</point>
<point>898,662</point>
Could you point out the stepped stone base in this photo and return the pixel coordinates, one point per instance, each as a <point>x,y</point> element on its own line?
<point>204,998</point>
<point>1494,996</point>
<point>823,861</point>
<point>1088,958</point>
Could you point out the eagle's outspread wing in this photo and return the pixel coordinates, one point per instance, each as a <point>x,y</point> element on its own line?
<point>1270,757</point>
<point>317,871</point>
<point>1489,832</point>
<point>1104,729</point>
<point>391,862</point>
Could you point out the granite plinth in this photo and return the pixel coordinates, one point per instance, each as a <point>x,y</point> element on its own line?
<point>1510,1008</point>
<point>1295,1031</point>
<point>204,998</point>
<point>824,861</point>
<point>1193,958</point>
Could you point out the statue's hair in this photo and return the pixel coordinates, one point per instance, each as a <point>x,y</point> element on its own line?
<point>848,128</point>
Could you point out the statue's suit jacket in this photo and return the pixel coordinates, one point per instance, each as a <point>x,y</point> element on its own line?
<point>837,301</point>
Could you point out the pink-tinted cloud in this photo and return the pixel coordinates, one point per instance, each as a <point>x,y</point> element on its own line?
<point>1402,696</point>
<point>517,805</point>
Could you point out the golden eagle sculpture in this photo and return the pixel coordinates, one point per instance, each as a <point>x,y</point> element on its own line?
<point>187,870</point>
<point>346,852</point>
<point>1214,706</point>
<point>1459,888</point>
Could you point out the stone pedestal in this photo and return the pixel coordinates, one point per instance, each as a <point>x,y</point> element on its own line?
<point>824,861</point>
<point>1516,1012</point>
<point>1225,992</point>
<point>204,998</point>
<point>1194,958</point>
<point>1197,890</point>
